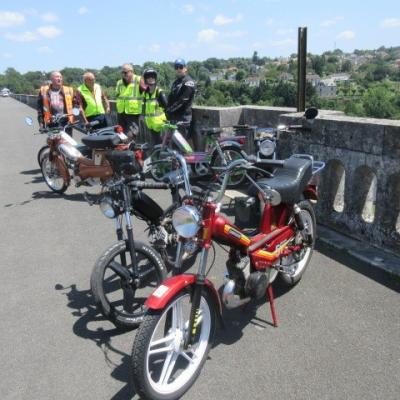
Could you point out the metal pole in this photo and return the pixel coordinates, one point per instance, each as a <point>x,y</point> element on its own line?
<point>301,69</point>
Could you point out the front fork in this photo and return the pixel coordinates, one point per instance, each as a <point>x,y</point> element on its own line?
<point>129,231</point>
<point>196,298</point>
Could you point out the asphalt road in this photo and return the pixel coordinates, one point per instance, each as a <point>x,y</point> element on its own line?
<point>339,334</point>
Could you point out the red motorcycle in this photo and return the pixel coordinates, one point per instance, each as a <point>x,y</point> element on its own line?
<point>177,333</point>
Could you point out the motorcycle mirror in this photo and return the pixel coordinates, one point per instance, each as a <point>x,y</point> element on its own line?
<point>29,121</point>
<point>75,112</point>
<point>311,113</point>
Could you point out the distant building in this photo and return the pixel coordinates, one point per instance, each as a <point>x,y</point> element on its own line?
<point>253,81</point>
<point>314,79</point>
<point>326,88</point>
<point>217,77</point>
<point>339,77</point>
<point>285,76</point>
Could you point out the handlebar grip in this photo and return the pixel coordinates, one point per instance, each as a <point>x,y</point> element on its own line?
<point>152,185</point>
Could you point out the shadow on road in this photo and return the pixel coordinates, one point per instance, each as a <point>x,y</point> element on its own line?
<point>31,172</point>
<point>82,304</point>
<point>48,195</point>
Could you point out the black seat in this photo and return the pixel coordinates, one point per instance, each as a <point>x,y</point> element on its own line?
<point>211,131</point>
<point>101,142</point>
<point>289,180</point>
<point>123,162</point>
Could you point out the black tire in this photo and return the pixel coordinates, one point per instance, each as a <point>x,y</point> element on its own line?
<point>106,285</point>
<point>140,365</point>
<point>231,153</point>
<point>306,254</point>
<point>158,170</point>
<point>52,176</point>
<point>40,154</point>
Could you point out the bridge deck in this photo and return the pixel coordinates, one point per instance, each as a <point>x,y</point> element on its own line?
<point>338,339</point>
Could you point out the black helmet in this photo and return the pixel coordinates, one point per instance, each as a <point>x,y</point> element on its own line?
<point>150,73</point>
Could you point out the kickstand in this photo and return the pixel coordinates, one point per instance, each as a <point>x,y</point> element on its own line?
<point>270,294</point>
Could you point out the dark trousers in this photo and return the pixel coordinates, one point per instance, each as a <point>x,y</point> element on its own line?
<point>101,118</point>
<point>130,124</point>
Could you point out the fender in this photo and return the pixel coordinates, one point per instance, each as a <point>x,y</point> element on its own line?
<point>59,160</point>
<point>169,288</point>
<point>227,143</point>
<point>311,193</point>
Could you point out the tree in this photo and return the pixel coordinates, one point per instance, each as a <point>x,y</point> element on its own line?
<point>378,103</point>
<point>346,66</point>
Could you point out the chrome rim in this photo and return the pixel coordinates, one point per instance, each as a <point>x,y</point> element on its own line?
<point>51,174</point>
<point>169,366</point>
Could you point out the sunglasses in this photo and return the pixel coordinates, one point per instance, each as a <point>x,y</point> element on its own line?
<point>179,67</point>
<point>125,72</point>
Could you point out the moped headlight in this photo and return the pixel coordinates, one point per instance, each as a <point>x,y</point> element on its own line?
<point>186,221</point>
<point>267,147</point>
<point>107,207</point>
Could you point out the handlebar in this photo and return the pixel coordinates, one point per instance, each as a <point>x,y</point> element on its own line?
<point>151,185</point>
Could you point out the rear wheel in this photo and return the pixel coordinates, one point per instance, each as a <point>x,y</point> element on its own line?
<point>230,153</point>
<point>52,174</point>
<point>298,261</point>
<point>163,369</point>
<point>119,298</point>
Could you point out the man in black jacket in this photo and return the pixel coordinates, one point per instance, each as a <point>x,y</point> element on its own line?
<point>181,97</point>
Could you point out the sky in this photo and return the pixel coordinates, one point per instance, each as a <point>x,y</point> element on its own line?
<point>48,35</point>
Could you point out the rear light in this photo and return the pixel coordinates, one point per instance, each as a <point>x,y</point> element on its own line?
<point>242,141</point>
<point>118,129</point>
<point>139,155</point>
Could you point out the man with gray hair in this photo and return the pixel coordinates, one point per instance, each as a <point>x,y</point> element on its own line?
<point>129,100</point>
<point>92,101</point>
<point>54,99</point>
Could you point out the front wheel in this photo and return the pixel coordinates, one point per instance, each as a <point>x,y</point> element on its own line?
<point>45,149</point>
<point>298,261</point>
<point>52,174</point>
<point>118,295</point>
<point>162,368</point>
<point>229,154</point>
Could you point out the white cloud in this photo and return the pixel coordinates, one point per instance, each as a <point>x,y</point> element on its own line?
<point>23,37</point>
<point>283,42</point>
<point>223,20</point>
<point>235,34</point>
<point>188,9</point>
<point>9,18</point>
<point>331,22</point>
<point>207,35</point>
<point>154,48</point>
<point>7,55</point>
<point>83,10</point>
<point>346,35</point>
<point>390,23</point>
<point>44,50</point>
<point>284,32</point>
<point>49,32</point>
<point>49,17</point>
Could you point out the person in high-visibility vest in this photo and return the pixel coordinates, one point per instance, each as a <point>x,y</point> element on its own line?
<point>129,100</point>
<point>155,101</point>
<point>55,99</point>
<point>92,101</point>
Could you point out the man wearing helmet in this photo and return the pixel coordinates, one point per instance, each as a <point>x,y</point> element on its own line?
<point>155,102</point>
<point>181,97</point>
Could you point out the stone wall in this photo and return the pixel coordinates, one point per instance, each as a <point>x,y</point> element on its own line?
<point>360,186</point>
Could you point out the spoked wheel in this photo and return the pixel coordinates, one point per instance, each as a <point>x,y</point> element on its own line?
<point>52,174</point>
<point>119,297</point>
<point>159,170</point>
<point>299,260</point>
<point>41,153</point>
<point>162,367</point>
<point>230,154</point>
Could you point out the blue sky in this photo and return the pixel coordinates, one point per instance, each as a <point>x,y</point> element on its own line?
<point>47,35</point>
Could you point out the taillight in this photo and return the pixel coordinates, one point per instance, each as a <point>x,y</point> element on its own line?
<point>118,129</point>
<point>242,141</point>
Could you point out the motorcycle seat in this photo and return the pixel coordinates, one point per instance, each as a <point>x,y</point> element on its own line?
<point>211,131</point>
<point>289,181</point>
<point>123,162</point>
<point>101,142</point>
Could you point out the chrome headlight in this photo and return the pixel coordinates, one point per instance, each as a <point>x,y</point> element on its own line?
<point>267,147</point>
<point>186,221</point>
<point>107,207</point>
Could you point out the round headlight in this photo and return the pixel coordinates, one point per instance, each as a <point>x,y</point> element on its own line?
<point>186,221</point>
<point>267,147</point>
<point>107,207</point>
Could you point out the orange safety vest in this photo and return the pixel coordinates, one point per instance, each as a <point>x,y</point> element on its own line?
<point>68,95</point>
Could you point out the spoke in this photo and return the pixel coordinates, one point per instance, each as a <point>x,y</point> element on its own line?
<point>186,356</point>
<point>168,367</point>
<point>147,272</point>
<point>161,350</point>
<point>177,316</point>
<point>163,340</point>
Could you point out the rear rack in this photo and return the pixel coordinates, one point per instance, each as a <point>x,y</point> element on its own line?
<point>317,167</point>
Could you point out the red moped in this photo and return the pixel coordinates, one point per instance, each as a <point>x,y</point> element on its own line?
<point>176,335</point>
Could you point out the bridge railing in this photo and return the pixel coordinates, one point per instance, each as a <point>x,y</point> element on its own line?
<point>360,186</point>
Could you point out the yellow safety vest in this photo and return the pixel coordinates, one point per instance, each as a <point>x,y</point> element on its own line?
<point>154,116</point>
<point>94,103</point>
<point>129,99</point>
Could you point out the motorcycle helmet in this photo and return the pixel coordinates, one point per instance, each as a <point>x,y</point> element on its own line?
<point>150,73</point>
